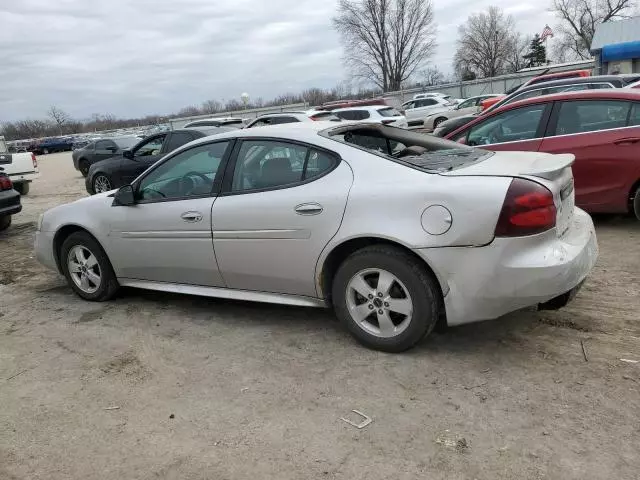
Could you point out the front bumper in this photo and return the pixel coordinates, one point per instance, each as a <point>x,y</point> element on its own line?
<point>514,273</point>
<point>44,249</point>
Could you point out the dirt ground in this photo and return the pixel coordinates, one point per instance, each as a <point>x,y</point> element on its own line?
<point>158,386</point>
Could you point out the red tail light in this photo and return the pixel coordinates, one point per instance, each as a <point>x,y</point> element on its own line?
<point>5,183</point>
<point>33,159</point>
<point>528,209</point>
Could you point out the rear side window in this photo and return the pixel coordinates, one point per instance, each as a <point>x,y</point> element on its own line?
<point>353,115</point>
<point>634,118</point>
<point>106,145</point>
<point>265,164</point>
<point>427,102</point>
<point>389,112</point>
<point>178,139</point>
<point>279,120</point>
<point>511,126</point>
<point>591,116</point>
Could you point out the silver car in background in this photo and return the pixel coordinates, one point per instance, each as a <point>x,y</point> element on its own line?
<point>394,230</point>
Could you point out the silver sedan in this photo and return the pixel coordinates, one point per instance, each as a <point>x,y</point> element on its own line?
<point>394,230</point>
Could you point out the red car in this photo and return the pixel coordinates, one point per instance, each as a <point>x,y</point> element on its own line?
<point>600,127</point>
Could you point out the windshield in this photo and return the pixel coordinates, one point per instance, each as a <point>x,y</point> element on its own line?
<point>126,142</point>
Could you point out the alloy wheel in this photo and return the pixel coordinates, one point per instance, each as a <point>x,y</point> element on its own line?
<point>84,269</point>
<point>379,302</point>
<point>101,184</point>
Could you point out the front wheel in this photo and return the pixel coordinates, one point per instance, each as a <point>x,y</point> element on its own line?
<point>386,299</point>
<point>5,222</point>
<point>101,183</point>
<point>87,268</point>
<point>636,204</point>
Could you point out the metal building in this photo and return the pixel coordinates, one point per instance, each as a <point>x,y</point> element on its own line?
<point>616,47</point>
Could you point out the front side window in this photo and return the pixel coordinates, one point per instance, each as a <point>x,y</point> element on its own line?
<point>126,142</point>
<point>347,115</point>
<point>152,146</point>
<point>263,164</point>
<point>280,120</point>
<point>591,115</point>
<point>514,125</point>
<point>190,173</point>
<point>362,114</point>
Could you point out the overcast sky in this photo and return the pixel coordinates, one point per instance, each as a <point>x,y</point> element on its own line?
<point>138,57</point>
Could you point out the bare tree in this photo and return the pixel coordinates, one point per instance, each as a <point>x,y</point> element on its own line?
<point>211,106</point>
<point>515,59</point>
<point>189,111</point>
<point>578,21</point>
<point>59,117</point>
<point>432,76</point>
<point>386,41</point>
<point>485,42</point>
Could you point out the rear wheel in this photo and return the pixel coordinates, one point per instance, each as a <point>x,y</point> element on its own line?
<point>636,204</point>
<point>386,299</point>
<point>5,222</point>
<point>83,166</point>
<point>22,188</point>
<point>101,183</point>
<point>87,268</point>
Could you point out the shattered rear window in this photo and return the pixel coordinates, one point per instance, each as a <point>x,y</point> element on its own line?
<point>446,160</point>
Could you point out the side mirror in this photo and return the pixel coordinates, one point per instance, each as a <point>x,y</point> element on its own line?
<point>128,154</point>
<point>124,197</point>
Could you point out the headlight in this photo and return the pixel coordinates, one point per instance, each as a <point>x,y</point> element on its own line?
<point>40,220</point>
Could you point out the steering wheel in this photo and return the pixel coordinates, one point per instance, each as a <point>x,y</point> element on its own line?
<point>188,175</point>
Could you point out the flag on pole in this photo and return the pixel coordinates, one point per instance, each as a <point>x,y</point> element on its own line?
<point>547,32</point>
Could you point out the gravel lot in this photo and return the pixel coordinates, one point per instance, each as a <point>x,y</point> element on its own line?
<point>165,386</point>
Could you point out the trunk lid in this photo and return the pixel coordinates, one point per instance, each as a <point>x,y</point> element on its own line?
<point>552,171</point>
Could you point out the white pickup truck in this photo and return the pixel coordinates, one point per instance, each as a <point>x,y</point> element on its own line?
<point>22,168</point>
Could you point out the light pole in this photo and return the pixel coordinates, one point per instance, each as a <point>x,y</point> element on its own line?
<point>245,99</point>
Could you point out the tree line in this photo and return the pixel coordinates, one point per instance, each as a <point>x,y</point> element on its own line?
<point>388,45</point>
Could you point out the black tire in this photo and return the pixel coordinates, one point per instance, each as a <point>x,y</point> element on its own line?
<point>417,280</point>
<point>5,222</point>
<point>22,188</point>
<point>438,121</point>
<point>636,203</point>
<point>83,166</point>
<point>103,177</point>
<point>108,286</point>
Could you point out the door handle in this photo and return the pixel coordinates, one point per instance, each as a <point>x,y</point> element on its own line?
<point>309,209</point>
<point>627,141</point>
<point>192,217</point>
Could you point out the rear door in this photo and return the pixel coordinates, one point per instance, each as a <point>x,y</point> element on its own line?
<point>516,129</point>
<point>281,204</point>
<point>604,135</point>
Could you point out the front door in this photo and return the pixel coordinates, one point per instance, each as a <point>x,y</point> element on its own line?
<point>517,129</point>
<point>281,204</point>
<point>166,235</point>
<point>604,135</point>
<point>145,154</point>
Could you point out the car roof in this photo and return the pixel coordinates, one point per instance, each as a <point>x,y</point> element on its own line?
<point>607,93</point>
<point>570,81</point>
<point>364,107</point>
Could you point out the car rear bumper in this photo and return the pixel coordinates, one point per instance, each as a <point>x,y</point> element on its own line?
<point>9,203</point>
<point>514,273</point>
<point>43,247</point>
<point>23,177</point>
